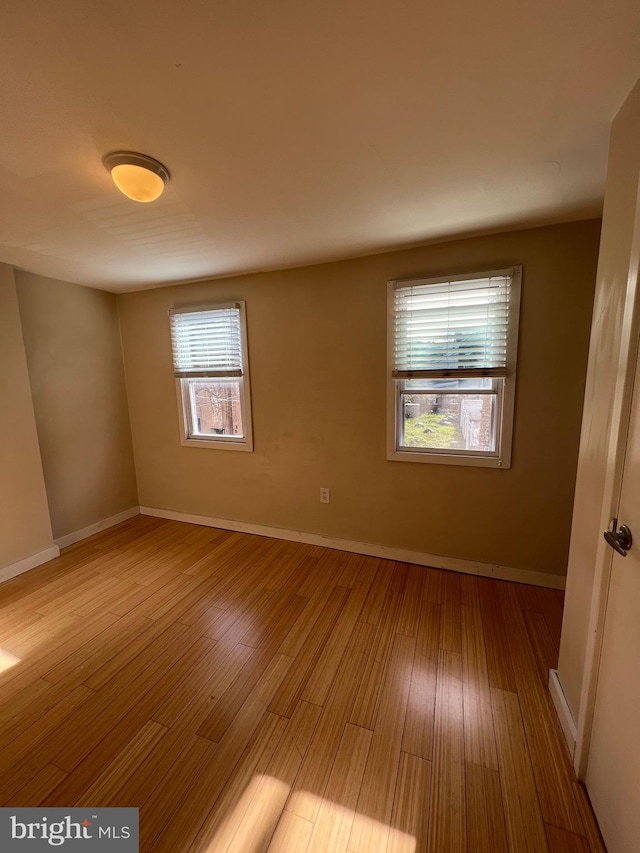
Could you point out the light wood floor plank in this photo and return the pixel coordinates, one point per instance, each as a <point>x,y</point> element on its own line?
<point>374,604</point>
<point>428,644</point>
<point>37,790</point>
<point>321,678</point>
<point>172,795</point>
<point>562,841</point>
<point>433,584</point>
<point>485,812</point>
<point>469,595</point>
<point>450,627</point>
<point>337,810</point>
<point>319,759</point>
<point>551,610</point>
<point>292,834</point>
<point>297,636</point>
<point>246,819</point>
<point>417,737</point>
<point>409,616</point>
<point>252,694</point>
<point>549,754</point>
<point>525,829</point>
<point>307,659</point>
<point>80,634</point>
<point>241,690</point>
<point>589,823</point>
<point>447,822</point>
<point>213,672</point>
<point>251,802</point>
<point>87,658</point>
<point>479,737</point>
<point>22,747</point>
<point>544,649</point>
<point>410,816</point>
<point>496,637</point>
<point>187,823</point>
<point>366,702</point>
<point>375,801</point>
<point>135,754</point>
<point>82,754</point>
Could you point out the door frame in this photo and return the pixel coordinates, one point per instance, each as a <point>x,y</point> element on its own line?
<point>616,454</point>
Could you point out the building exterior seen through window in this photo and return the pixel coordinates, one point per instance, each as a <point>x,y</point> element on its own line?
<point>216,407</point>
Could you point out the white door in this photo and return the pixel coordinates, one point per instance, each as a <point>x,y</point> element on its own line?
<point>613,773</point>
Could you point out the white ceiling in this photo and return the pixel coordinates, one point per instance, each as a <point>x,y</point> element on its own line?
<point>298,130</point>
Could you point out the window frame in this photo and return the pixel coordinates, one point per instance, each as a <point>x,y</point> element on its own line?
<point>183,393</point>
<point>505,395</point>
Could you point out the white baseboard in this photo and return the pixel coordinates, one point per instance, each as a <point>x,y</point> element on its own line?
<point>98,527</point>
<point>402,555</point>
<point>14,569</point>
<point>562,710</point>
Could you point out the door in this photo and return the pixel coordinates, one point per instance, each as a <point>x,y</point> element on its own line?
<point>613,772</point>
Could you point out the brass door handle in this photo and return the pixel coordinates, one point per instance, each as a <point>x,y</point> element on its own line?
<point>620,540</point>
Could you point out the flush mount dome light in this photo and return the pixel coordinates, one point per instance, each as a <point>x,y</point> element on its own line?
<point>137,176</point>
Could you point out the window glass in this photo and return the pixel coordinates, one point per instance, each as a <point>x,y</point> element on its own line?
<point>452,352</point>
<point>216,407</point>
<point>461,422</point>
<point>210,365</point>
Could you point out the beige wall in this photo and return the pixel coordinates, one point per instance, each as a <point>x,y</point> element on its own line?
<point>592,503</point>
<point>72,342</point>
<point>25,529</point>
<point>317,353</point>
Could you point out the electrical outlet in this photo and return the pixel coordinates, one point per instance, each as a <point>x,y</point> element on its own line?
<point>325,496</point>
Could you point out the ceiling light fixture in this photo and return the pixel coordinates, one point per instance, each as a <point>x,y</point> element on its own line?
<point>137,176</point>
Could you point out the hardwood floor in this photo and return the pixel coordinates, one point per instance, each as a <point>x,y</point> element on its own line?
<point>249,694</point>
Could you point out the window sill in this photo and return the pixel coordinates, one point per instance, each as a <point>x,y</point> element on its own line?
<point>448,459</point>
<point>217,444</point>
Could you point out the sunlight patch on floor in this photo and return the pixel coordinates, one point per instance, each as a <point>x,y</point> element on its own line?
<point>257,814</point>
<point>7,660</point>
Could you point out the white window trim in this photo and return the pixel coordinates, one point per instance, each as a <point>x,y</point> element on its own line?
<point>505,400</point>
<point>218,442</point>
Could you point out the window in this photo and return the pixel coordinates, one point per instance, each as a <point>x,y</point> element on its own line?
<point>452,354</point>
<point>211,369</point>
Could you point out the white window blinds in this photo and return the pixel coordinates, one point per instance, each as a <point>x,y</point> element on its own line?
<point>448,327</point>
<point>207,341</point>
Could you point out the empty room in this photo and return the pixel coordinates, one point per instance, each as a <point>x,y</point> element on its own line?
<point>319,433</point>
